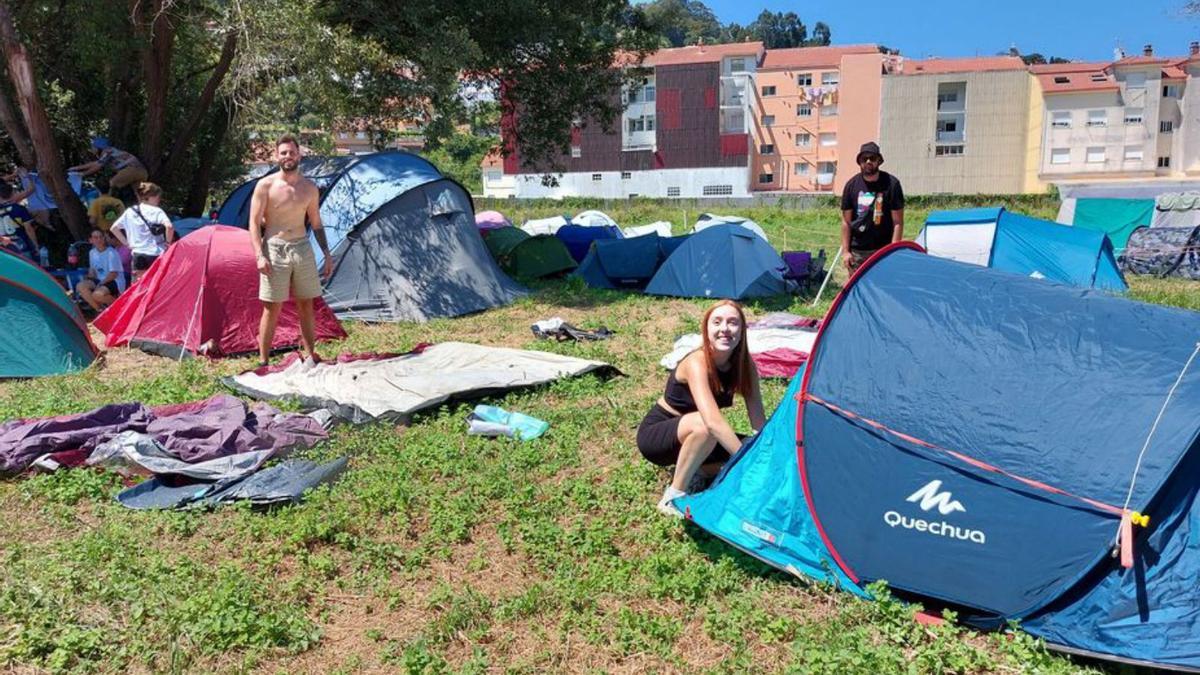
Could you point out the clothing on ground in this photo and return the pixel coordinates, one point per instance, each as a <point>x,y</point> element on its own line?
<point>490,420</point>
<point>284,483</point>
<point>560,330</point>
<point>193,432</point>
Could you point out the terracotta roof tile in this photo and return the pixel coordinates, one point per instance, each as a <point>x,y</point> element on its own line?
<point>702,53</point>
<point>812,57</point>
<point>961,65</point>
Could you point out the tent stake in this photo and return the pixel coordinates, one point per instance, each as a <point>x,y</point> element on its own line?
<point>832,266</point>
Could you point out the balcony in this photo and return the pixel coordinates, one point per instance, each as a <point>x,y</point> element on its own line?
<point>950,137</point>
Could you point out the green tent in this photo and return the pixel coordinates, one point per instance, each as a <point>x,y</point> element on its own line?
<point>1117,218</point>
<point>44,333</point>
<point>523,255</point>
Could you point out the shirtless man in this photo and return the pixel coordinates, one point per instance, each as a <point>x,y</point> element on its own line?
<point>285,259</point>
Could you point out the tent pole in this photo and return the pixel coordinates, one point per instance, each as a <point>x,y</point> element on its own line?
<point>832,267</point>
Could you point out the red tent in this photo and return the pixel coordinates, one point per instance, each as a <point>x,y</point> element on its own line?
<point>202,296</point>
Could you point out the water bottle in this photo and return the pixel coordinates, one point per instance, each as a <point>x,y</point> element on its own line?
<point>44,256</point>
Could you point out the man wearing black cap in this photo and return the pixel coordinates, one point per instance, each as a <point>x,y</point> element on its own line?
<point>872,209</point>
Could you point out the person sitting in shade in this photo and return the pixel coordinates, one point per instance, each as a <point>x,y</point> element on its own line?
<point>105,209</point>
<point>685,427</point>
<point>105,277</point>
<point>16,224</point>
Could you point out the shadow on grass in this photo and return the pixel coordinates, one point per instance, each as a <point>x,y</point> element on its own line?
<point>716,550</point>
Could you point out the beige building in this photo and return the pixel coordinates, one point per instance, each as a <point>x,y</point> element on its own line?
<point>1124,119</point>
<point>959,126</point>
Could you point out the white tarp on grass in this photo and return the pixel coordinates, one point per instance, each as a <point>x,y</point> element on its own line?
<point>397,387</point>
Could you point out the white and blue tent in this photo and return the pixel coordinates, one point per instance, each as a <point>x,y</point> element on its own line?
<point>996,238</point>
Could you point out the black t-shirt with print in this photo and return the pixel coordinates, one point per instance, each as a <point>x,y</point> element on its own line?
<point>859,197</point>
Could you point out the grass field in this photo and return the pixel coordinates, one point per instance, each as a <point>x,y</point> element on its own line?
<point>439,552</point>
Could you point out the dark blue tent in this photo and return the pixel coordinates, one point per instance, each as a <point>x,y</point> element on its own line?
<point>1009,241</point>
<point>975,437</point>
<point>403,239</point>
<point>722,261</point>
<point>321,170</point>
<point>578,238</point>
<point>626,263</point>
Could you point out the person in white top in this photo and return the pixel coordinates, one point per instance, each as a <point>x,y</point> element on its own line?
<point>145,228</point>
<point>105,276</point>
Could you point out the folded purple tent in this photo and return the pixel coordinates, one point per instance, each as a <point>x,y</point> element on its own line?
<point>193,432</point>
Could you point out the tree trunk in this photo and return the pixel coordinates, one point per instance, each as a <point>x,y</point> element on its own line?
<point>16,131</point>
<point>184,137</point>
<point>156,68</point>
<point>202,178</point>
<point>121,86</point>
<point>49,160</point>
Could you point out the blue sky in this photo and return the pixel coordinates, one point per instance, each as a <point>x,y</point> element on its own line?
<point>920,28</point>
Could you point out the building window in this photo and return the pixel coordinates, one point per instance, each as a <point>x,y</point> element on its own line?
<point>1133,116</point>
<point>1060,155</point>
<point>801,169</point>
<point>360,135</point>
<point>766,178</point>
<point>643,123</point>
<point>1166,127</point>
<point>1099,77</point>
<point>716,190</point>
<point>828,111</point>
<point>768,90</point>
<point>803,111</point>
<point>626,175</point>
<point>596,177</point>
<point>766,149</point>
<point>576,151</point>
<point>343,135</point>
<point>828,140</point>
<point>947,150</point>
<point>737,65</point>
<point>1061,119</point>
<point>1097,118</point>
<point>1170,91</point>
<point>1133,153</point>
<point>803,140</point>
<point>804,80</point>
<point>768,120</point>
<point>493,175</point>
<point>672,192</point>
<point>1164,162</point>
<point>1062,79</point>
<point>829,79</point>
<point>1095,155</point>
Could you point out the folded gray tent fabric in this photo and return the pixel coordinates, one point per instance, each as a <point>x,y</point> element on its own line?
<point>283,483</point>
<point>395,388</point>
<point>134,453</point>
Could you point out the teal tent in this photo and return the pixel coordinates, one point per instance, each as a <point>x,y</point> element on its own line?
<point>1117,218</point>
<point>44,333</point>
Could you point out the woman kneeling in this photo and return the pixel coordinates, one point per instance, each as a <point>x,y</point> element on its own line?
<point>685,427</point>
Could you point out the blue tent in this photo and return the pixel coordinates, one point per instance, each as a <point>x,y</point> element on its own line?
<point>321,170</point>
<point>972,437</point>
<point>723,261</point>
<point>626,263</point>
<point>44,333</point>
<point>578,238</point>
<point>994,237</point>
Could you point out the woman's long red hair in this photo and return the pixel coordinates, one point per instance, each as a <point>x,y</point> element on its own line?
<point>740,359</point>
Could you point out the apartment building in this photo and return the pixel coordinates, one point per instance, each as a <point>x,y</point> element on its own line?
<point>813,103</point>
<point>684,133</point>
<point>1131,118</point>
<point>960,126</point>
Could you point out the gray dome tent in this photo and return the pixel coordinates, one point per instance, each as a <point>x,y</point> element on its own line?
<point>404,241</point>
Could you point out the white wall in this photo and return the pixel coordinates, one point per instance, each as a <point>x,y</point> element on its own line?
<point>691,183</point>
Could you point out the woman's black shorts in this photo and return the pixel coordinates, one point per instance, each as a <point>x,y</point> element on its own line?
<point>658,439</point>
<point>142,262</point>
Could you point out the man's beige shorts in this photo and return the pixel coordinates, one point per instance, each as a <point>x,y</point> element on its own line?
<point>293,268</point>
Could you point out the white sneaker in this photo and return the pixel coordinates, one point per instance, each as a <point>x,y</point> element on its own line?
<point>665,506</point>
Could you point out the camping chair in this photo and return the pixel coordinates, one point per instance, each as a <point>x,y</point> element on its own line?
<point>802,268</point>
